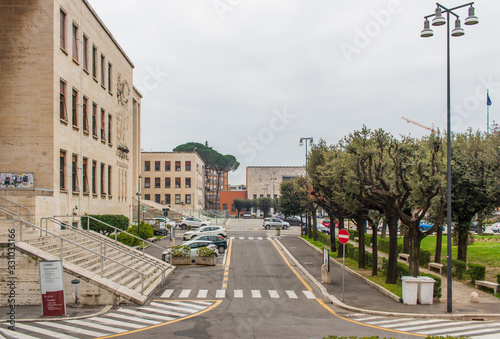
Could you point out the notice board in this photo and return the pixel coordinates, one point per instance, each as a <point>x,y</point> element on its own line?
<point>52,288</point>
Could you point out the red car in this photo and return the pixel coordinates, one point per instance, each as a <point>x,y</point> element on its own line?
<point>326,222</point>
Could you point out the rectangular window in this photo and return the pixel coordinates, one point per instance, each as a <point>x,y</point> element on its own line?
<point>62,102</point>
<point>109,180</point>
<point>177,165</point>
<point>157,166</point>
<point>103,124</point>
<point>255,196</point>
<point>147,197</point>
<point>74,108</point>
<point>157,182</point>
<point>233,209</point>
<point>167,199</point>
<point>94,177</point>
<point>62,170</point>
<point>188,182</point>
<point>147,182</point>
<point>109,129</point>
<point>62,28</point>
<point>167,182</point>
<point>85,177</point>
<point>74,173</point>
<point>103,69</point>
<point>147,166</point>
<point>177,182</point>
<point>187,199</point>
<point>224,207</point>
<point>167,166</point>
<point>109,76</point>
<point>188,165</point>
<point>157,198</point>
<point>75,42</point>
<point>94,120</point>
<point>103,173</point>
<point>177,198</point>
<point>85,115</point>
<point>85,55</point>
<point>94,61</point>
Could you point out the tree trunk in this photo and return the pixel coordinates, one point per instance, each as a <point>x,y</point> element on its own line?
<point>361,226</point>
<point>340,252</point>
<point>439,231</point>
<point>414,259</point>
<point>463,235</point>
<point>333,244</point>
<point>315,226</point>
<point>384,229</point>
<point>374,250</point>
<point>392,223</point>
<point>406,243</point>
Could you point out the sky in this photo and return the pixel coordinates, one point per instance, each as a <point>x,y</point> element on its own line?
<point>251,77</point>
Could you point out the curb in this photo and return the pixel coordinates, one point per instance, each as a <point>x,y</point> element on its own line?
<point>335,301</point>
<point>103,310</point>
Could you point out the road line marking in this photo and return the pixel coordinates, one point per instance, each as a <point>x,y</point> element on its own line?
<point>309,294</point>
<point>139,320</point>
<point>273,294</point>
<point>70,328</point>
<point>250,238</point>
<point>220,294</point>
<point>291,294</point>
<point>242,238</point>
<point>238,293</point>
<point>256,294</point>
<point>202,293</point>
<point>167,294</point>
<point>185,294</point>
<point>97,326</point>
<point>175,308</point>
<point>39,330</point>
<point>188,304</point>
<point>259,238</point>
<point>157,310</point>
<point>144,314</point>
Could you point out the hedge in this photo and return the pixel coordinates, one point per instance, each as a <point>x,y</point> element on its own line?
<point>119,221</point>
<point>458,268</point>
<point>424,258</point>
<point>476,272</point>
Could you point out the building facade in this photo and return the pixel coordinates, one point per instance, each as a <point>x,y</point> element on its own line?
<point>173,179</point>
<point>227,200</point>
<point>213,200</point>
<point>70,114</point>
<point>265,181</point>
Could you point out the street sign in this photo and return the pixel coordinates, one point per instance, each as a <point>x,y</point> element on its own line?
<point>343,236</point>
<point>143,208</point>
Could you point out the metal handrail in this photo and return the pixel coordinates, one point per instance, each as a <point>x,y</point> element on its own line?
<point>12,202</point>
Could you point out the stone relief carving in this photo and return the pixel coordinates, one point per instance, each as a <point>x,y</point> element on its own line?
<point>122,90</point>
<point>122,116</point>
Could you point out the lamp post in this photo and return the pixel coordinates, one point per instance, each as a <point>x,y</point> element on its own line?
<point>139,203</point>
<point>301,142</point>
<point>457,31</point>
<point>274,201</point>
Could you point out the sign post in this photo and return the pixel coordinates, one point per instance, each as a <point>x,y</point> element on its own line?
<point>52,288</point>
<point>343,239</point>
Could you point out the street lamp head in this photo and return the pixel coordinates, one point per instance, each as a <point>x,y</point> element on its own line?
<point>140,176</point>
<point>301,142</point>
<point>426,32</point>
<point>438,19</point>
<point>457,31</point>
<point>472,18</point>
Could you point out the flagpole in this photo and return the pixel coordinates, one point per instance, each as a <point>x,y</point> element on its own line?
<point>488,112</point>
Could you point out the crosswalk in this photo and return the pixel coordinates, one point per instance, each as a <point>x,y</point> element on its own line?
<point>433,327</point>
<point>250,238</point>
<point>117,321</point>
<point>236,294</point>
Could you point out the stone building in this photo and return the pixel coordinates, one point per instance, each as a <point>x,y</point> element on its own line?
<point>175,179</point>
<point>265,181</point>
<point>70,115</point>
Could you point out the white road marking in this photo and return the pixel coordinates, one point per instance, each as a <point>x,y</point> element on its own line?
<point>273,294</point>
<point>291,294</point>
<point>256,294</point>
<point>38,330</point>
<point>309,294</point>
<point>70,328</point>
<point>185,294</point>
<point>238,293</point>
<point>97,326</point>
<point>167,294</point>
<point>116,322</point>
<point>220,293</point>
<point>202,293</point>
<point>139,320</point>
<point>144,314</point>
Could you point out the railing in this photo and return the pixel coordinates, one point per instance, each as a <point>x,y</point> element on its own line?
<point>18,205</point>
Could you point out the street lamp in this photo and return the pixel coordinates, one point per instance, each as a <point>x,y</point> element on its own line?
<point>457,31</point>
<point>301,142</point>
<point>139,203</point>
<point>274,200</point>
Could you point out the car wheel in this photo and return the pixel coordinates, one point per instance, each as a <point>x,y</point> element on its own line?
<point>222,249</point>
<point>421,229</point>
<point>183,227</point>
<point>268,227</point>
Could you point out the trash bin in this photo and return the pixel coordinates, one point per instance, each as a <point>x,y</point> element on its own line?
<point>425,290</point>
<point>410,290</point>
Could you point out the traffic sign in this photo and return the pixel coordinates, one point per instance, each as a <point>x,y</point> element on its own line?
<point>343,236</point>
<point>143,208</point>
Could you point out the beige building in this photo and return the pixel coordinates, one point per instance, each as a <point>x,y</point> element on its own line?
<point>70,116</point>
<point>173,179</point>
<point>265,181</point>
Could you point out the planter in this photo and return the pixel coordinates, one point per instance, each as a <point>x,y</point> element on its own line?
<point>211,261</point>
<point>181,260</point>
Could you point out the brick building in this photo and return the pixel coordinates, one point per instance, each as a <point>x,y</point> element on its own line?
<point>227,199</point>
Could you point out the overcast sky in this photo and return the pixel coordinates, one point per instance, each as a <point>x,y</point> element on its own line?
<point>253,76</point>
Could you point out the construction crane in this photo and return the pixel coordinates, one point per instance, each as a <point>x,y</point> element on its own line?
<point>420,125</point>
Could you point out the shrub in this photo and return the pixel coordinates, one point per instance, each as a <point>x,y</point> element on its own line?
<point>116,220</point>
<point>368,240</point>
<point>369,258</point>
<point>498,278</point>
<point>324,238</point>
<point>458,268</point>
<point>383,264</point>
<point>402,270</point>
<point>476,272</point>
<point>353,234</point>
<point>146,231</point>
<point>126,239</point>
<point>206,252</point>
<point>424,257</point>
<point>180,251</point>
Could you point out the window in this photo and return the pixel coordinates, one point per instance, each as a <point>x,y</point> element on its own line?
<point>157,182</point>
<point>103,168</point>
<point>94,62</point>
<point>177,165</point>
<point>63,29</point>
<point>188,182</point>
<point>103,69</point>
<point>147,166</point>
<point>147,197</point>
<point>177,182</point>
<point>262,195</point>
<point>85,175</point>
<point>85,55</point>
<point>74,173</point>
<point>94,177</point>
<point>109,180</point>
<point>74,108</point>
<point>103,123</point>
<point>62,102</point>
<point>255,196</point>
<point>109,129</point>
<point>75,42</point>
<point>188,165</point>
<point>177,198</point>
<point>85,115</point>
<point>157,166</point>
<point>94,120</point>
<point>224,207</point>
<point>167,166</point>
<point>157,198</point>
<point>187,199</point>
<point>167,199</point>
<point>233,209</point>
<point>167,182</point>
<point>62,170</point>
<point>109,76</point>
<point>147,182</point>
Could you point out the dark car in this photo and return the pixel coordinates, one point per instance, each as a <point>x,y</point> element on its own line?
<point>473,227</point>
<point>294,221</point>
<point>217,240</point>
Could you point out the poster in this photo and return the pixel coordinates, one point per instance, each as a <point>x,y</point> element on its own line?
<point>16,180</point>
<point>52,288</point>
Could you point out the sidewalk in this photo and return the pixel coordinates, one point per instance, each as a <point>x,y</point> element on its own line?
<point>361,297</point>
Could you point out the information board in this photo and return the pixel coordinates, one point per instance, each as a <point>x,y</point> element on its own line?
<point>52,288</point>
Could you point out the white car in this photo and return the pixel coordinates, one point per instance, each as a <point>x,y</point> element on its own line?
<point>272,222</point>
<point>205,230</point>
<point>193,245</point>
<point>167,221</point>
<point>193,222</point>
<point>496,227</point>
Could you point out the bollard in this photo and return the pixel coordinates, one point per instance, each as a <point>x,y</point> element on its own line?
<point>75,283</point>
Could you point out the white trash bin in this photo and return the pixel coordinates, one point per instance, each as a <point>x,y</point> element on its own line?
<point>425,290</point>
<point>410,290</point>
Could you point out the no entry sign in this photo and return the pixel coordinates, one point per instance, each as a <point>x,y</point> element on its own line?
<point>343,236</point>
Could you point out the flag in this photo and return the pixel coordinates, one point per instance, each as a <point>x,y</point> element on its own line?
<point>488,100</point>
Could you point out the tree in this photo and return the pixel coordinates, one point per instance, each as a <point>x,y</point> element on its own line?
<point>264,204</point>
<point>239,204</point>
<point>290,203</point>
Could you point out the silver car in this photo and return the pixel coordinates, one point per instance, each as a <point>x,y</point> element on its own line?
<point>193,245</point>
<point>193,222</point>
<point>205,230</point>
<point>273,222</point>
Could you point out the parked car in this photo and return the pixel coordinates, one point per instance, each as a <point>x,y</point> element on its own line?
<point>217,240</point>
<point>496,227</point>
<point>272,222</point>
<point>473,227</point>
<point>326,222</point>
<point>247,215</point>
<point>159,226</point>
<point>294,221</point>
<point>193,245</point>
<point>424,226</point>
<point>193,222</point>
<point>324,229</point>
<point>167,221</point>
<point>205,230</point>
